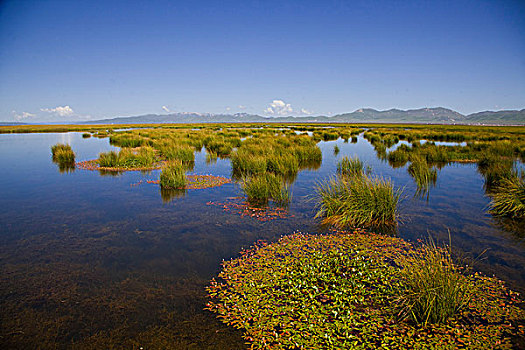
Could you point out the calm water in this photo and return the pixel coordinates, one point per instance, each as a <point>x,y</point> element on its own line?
<point>88,259</point>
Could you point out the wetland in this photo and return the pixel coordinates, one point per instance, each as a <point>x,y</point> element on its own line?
<point>111,240</point>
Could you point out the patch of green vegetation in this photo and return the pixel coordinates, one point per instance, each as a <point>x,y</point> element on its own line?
<point>279,155</point>
<point>358,201</point>
<point>336,150</point>
<point>342,291</point>
<point>173,175</point>
<point>349,166</point>
<point>423,175</point>
<point>86,135</point>
<point>128,158</point>
<point>260,188</point>
<point>182,152</point>
<point>508,198</point>
<point>62,154</point>
<point>435,289</point>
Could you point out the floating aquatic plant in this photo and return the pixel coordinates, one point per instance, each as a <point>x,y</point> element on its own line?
<point>341,291</point>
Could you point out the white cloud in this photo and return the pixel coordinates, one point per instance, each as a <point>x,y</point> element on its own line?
<point>228,109</point>
<point>60,111</point>
<point>279,107</point>
<point>166,109</point>
<point>306,112</point>
<point>23,115</point>
<point>241,107</point>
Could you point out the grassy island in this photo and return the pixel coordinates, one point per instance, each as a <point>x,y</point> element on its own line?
<point>362,291</point>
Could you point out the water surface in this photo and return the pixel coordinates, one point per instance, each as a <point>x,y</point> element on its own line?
<point>93,260</point>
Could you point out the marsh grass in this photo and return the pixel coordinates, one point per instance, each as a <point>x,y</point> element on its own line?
<point>173,175</point>
<point>399,157</point>
<point>184,153</point>
<point>423,175</point>
<point>211,158</point>
<point>63,154</point>
<point>127,158</point>
<point>336,148</point>
<point>86,135</point>
<point>260,188</point>
<point>434,288</point>
<point>494,170</point>
<point>127,140</point>
<point>108,159</point>
<point>358,201</point>
<point>349,166</point>
<point>508,197</point>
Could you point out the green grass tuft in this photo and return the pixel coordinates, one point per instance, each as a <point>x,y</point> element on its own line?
<point>63,154</point>
<point>260,188</point>
<point>173,175</point>
<point>423,174</point>
<point>349,166</point>
<point>508,198</point>
<point>359,201</point>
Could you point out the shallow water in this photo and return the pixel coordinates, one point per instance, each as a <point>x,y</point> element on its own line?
<point>87,258</point>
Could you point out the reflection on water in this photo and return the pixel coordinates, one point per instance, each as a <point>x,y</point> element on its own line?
<point>93,261</point>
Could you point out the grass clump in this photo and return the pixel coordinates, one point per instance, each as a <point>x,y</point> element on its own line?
<point>341,291</point>
<point>359,201</point>
<point>127,158</point>
<point>434,288</point>
<point>173,175</point>
<point>260,188</point>
<point>349,166</point>
<point>86,135</point>
<point>108,159</point>
<point>508,198</point>
<point>336,149</point>
<point>63,154</point>
<point>184,153</point>
<point>423,174</point>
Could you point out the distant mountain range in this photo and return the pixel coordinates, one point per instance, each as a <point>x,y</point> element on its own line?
<point>436,115</point>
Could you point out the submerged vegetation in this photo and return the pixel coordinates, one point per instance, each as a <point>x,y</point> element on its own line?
<point>341,291</point>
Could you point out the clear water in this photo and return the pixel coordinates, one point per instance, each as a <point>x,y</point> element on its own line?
<point>106,256</point>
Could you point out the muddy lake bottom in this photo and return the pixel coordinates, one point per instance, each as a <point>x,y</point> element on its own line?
<point>91,260</point>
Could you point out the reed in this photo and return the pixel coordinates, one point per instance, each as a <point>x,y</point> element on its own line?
<point>86,135</point>
<point>358,201</point>
<point>173,175</point>
<point>336,148</point>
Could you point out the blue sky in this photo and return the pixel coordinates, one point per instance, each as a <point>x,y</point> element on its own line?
<point>74,60</point>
